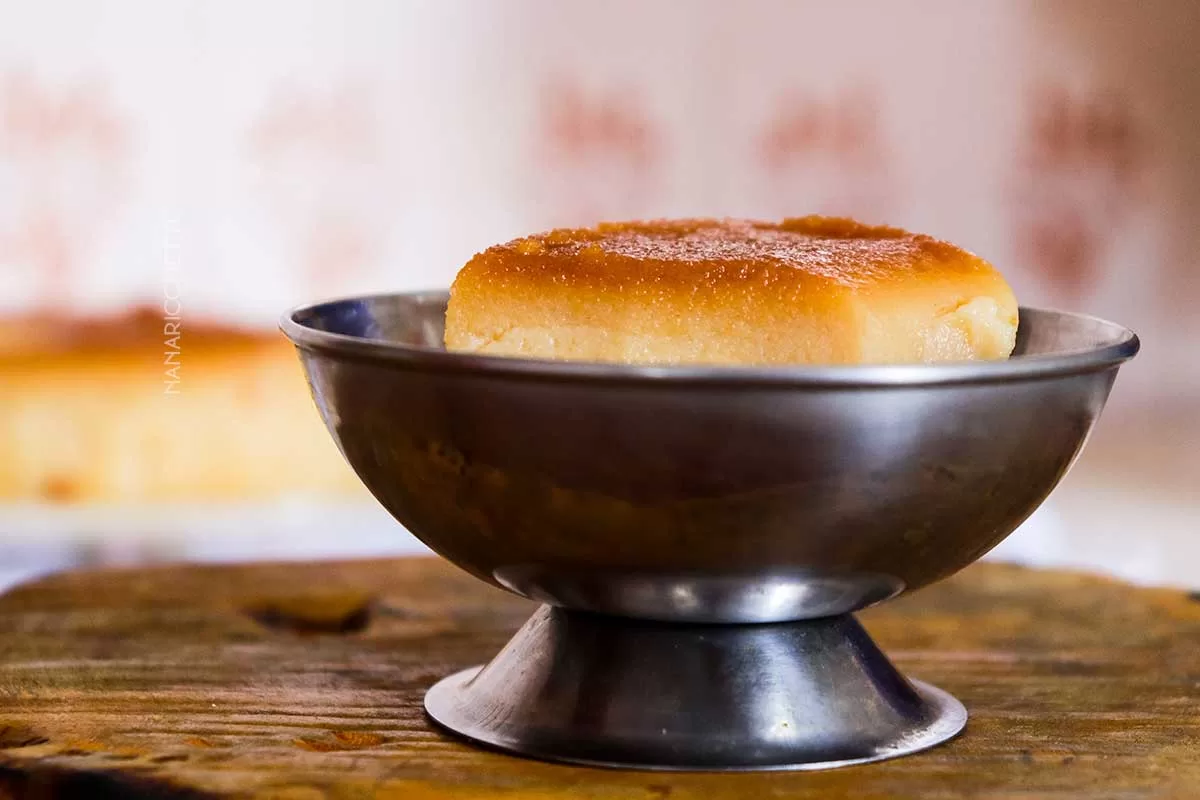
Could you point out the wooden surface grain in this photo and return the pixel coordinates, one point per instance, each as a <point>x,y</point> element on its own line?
<point>298,681</point>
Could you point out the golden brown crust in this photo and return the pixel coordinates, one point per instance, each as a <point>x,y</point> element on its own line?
<point>41,334</point>
<point>806,290</point>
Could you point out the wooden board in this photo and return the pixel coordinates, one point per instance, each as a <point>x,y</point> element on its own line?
<point>298,681</point>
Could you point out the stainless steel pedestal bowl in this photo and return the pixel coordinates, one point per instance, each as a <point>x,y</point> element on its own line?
<point>700,536</point>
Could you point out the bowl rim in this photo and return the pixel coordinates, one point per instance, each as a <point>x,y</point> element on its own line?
<point>1124,346</point>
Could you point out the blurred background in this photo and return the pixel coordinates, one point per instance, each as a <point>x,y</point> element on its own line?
<point>175,173</point>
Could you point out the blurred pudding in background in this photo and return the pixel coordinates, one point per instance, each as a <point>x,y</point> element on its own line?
<point>133,437</point>
<point>95,412</point>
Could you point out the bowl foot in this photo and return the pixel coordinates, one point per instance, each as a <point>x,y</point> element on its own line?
<point>608,691</point>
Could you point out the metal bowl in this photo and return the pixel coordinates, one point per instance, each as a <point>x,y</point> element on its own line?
<point>715,495</point>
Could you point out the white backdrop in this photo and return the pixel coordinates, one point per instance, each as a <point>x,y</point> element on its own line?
<point>302,149</point>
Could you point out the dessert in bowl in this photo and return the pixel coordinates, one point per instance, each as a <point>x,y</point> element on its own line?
<point>703,445</point>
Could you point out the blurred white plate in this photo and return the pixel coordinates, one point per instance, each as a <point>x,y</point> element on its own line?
<point>37,539</point>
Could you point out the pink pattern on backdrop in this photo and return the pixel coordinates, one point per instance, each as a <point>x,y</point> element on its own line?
<point>320,161</point>
<point>64,150</point>
<point>1079,173</point>
<point>598,154</point>
<point>834,147</point>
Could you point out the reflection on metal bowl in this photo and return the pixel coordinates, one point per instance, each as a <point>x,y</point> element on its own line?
<point>717,495</point>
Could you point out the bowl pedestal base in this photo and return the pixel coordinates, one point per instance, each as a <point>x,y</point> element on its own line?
<point>584,688</point>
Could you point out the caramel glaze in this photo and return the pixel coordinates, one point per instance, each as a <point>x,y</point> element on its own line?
<point>706,252</point>
<point>141,328</point>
